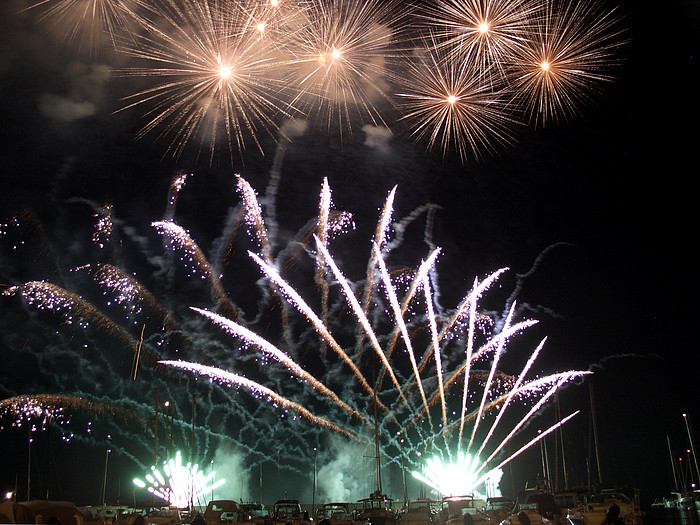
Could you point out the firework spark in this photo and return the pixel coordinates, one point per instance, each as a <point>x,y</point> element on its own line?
<point>87,21</point>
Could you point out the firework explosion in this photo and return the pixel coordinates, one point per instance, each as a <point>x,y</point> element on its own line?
<point>457,75</point>
<point>180,485</point>
<point>302,365</point>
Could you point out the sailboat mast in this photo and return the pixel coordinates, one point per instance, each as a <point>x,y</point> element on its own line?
<point>692,447</point>
<point>673,464</point>
<point>595,435</point>
<point>376,444</point>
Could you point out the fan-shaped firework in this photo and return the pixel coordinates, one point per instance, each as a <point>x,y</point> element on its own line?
<point>379,341</point>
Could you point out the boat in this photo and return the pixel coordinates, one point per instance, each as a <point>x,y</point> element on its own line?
<point>338,514</point>
<point>44,511</point>
<point>612,505</point>
<point>461,510</point>
<point>164,516</point>
<point>288,512</point>
<point>535,505</point>
<point>377,509</point>
<point>255,514</point>
<point>417,512</point>
<point>498,508</point>
<point>221,511</point>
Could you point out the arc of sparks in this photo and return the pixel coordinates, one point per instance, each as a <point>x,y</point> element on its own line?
<point>361,317</point>
<point>320,327</point>
<point>525,447</point>
<point>237,330</point>
<point>471,311</point>
<point>229,378</point>
<point>494,365</point>
<point>512,392</point>
<point>436,345</point>
<point>398,316</point>
<point>422,271</point>
<point>324,205</point>
<point>181,238</point>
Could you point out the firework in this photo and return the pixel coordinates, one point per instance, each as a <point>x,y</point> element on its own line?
<point>70,307</point>
<point>452,105</point>
<point>218,82</point>
<point>484,33</point>
<point>195,261</point>
<point>47,408</point>
<point>87,21</point>
<point>180,485</point>
<point>461,74</point>
<point>340,61</point>
<point>445,393</point>
<point>566,60</point>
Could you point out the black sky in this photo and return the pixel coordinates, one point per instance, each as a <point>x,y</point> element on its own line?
<point>612,190</point>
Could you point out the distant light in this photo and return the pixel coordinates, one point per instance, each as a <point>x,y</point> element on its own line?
<point>545,66</point>
<point>274,3</point>
<point>336,53</point>
<point>224,71</point>
<point>261,26</point>
<point>8,495</point>
<point>484,27</point>
<point>451,99</point>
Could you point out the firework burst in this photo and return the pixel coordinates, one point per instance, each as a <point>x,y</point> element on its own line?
<point>87,21</point>
<point>340,61</point>
<point>452,106</point>
<point>566,60</point>
<point>483,33</point>
<point>179,484</point>
<point>219,85</point>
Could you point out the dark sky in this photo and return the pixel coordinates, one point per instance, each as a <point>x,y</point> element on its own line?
<point>607,199</point>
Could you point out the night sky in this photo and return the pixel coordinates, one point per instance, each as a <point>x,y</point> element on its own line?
<point>594,216</point>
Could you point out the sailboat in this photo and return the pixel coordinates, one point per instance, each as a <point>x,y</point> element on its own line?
<point>377,508</point>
